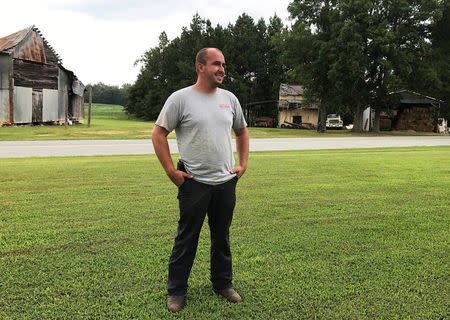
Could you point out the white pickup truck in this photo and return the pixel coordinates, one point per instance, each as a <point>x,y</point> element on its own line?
<point>334,121</point>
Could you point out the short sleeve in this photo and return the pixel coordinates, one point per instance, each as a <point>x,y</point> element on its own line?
<point>169,116</point>
<point>238,116</point>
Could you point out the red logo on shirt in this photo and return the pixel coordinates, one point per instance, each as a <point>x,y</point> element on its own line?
<point>224,106</point>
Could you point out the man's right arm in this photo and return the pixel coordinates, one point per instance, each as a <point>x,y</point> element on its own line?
<point>161,146</point>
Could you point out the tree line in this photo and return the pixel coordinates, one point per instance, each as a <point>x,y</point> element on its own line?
<point>253,67</point>
<point>103,93</point>
<point>348,55</point>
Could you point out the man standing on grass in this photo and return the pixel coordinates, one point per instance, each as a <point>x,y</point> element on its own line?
<point>203,116</point>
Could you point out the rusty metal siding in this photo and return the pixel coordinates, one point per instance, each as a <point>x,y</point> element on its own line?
<point>23,104</point>
<point>31,48</point>
<point>50,110</point>
<point>13,39</point>
<point>5,72</point>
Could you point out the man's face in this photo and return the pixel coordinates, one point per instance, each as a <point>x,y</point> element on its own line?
<point>214,70</point>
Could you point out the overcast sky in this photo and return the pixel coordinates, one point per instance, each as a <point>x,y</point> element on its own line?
<point>100,40</point>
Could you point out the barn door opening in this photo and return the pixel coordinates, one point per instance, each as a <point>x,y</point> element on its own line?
<point>37,105</point>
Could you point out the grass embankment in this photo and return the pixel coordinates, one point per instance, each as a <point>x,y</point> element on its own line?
<point>111,122</point>
<point>345,234</point>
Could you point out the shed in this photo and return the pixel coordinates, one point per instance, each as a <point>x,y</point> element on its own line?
<point>413,111</point>
<point>292,110</point>
<point>34,85</point>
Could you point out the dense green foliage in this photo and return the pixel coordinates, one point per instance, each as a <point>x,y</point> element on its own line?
<point>344,234</point>
<point>103,93</point>
<point>253,70</point>
<point>351,54</point>
<point>348,54</point>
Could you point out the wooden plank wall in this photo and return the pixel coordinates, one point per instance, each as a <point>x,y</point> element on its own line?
<point>37,105</point>
<point>35,75</point>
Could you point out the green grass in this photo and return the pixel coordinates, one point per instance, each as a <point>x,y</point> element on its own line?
<point>344,234</point>
<point>108,122</point>
<point>111,122</point>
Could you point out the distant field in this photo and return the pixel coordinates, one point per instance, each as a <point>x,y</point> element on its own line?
<point>343,234</point>
<point>111,122</point>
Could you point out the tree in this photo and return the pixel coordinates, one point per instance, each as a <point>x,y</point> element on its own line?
<point>252,66</point>
<point>438,59</point>
<point>311,51</point>
<point>103,93</point>
<point>356,52</point>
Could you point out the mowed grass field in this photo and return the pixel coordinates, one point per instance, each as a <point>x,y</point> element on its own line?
<point>111,122</point>
<point>108,122</point>
<point>343,234</point>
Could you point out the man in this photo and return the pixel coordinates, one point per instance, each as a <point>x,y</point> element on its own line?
<point>203,116</point>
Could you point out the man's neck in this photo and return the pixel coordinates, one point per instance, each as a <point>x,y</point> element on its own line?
<point>204,88</point>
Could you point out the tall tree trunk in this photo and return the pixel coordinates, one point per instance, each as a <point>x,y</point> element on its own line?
<point>321,125</point>
<point>376,121</point>
<point>357,123</point>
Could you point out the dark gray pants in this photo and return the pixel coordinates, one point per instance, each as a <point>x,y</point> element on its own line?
<point>195,201</point>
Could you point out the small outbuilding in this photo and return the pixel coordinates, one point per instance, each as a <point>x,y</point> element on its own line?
<point>292,112</point>
<point>34,85</point>
<point>414,111</point>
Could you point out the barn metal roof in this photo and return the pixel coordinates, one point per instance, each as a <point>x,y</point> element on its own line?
<point>14,39</point>
<point>291,89</point>
<point>411,97</point>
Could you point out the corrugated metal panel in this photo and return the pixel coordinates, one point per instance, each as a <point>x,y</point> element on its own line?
<point>4,106</point>
<point>78,88</point>
<point>23,104</point>
<point>291,90</point>
<point>50,105</point>
<point>31,49</point>
<point>13,39</point>
<point>28,44</point>
<point>5,65</point>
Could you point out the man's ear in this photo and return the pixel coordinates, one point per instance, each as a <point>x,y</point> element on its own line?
<point>200,67</point>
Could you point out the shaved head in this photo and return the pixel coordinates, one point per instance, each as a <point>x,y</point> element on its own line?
<point>202,56</point>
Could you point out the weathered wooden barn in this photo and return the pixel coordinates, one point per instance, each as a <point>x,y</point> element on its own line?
<point>34,85</point>
<point>292,110</point>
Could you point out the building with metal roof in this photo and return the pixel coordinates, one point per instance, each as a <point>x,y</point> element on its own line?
<point>292,111</point>
<point>34,85</point>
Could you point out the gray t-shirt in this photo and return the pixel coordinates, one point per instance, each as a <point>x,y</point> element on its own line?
<point>203,123</point>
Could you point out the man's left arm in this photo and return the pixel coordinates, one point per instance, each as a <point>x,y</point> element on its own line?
<point>242,150</point>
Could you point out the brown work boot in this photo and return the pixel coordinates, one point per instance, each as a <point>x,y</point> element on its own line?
<point>230,294</point>
<point>176,303</point>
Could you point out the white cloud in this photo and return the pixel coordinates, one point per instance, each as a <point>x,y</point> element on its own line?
<point>100,40</point>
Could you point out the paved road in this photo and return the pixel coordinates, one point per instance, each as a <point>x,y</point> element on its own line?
<point>105,147</point>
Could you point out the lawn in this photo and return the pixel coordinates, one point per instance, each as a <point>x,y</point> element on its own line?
<point>108,122</point>
<point>342,234</point>
<point>111,122</point>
